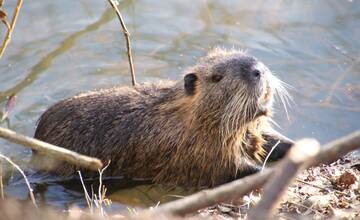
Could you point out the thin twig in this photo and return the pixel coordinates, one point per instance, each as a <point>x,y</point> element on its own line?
<point>101,190</point>
<point>52,150</point>
<point>32,197</point>
<point>269,154</point>
<point>6,24</point>
<point>87,197</point>
<point>1,182</point>
<point>320,187</point>
<point>99,199</point>
<point>11,29</point>
<point>127,38</point>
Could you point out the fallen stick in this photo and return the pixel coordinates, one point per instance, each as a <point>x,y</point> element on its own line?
<point>52,150</point>
<point>238,188</point>
<point>206,198</point>
<point>336,149</point>
<point>288,168</point>
<point>11,28</point>
<point>127,38</point>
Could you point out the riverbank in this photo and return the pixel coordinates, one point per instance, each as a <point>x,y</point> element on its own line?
<point>322,192</point>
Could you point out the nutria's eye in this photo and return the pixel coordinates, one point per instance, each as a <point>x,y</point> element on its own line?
<point>216,78</point>
<point>190,83</point>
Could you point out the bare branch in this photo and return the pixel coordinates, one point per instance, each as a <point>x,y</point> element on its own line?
<point>11,28</point>
<point>52,150</point>
<point>336,149</point>
<point>206,198</point>
<point>127,38</point>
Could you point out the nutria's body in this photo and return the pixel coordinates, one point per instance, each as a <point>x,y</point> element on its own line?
<point>208,129</point>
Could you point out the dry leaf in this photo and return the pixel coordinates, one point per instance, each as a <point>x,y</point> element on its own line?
<point>319,201</point>
<point>345,180</point>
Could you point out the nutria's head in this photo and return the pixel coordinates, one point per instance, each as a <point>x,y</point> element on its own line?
<point>233,86</point>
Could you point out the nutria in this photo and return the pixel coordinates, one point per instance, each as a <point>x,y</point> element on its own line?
<point>207,129</point>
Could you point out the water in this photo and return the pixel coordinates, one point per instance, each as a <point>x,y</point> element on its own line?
<point>61,48</point>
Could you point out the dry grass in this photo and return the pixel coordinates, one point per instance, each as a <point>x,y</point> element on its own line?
<point>32,197</point>
<point>98,200</point>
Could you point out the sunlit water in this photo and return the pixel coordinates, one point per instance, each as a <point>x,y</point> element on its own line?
<point>60,48</point>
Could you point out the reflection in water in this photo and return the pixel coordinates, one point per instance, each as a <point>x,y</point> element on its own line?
<point>59,49</point>
<point>62,192</point>
<point>65,46</point>
<point>147,195</point>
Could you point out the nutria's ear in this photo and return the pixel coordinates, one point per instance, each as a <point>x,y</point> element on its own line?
<point>190,83</point>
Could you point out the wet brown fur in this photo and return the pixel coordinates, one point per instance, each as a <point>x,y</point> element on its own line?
<point>163,131</point>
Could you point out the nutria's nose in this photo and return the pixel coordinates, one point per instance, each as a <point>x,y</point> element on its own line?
<point>255,74</point>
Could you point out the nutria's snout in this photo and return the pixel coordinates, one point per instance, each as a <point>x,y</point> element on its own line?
<point>251,70</point>
<point>263,77</point>
<point>269,87</point>
<point>257,78</point>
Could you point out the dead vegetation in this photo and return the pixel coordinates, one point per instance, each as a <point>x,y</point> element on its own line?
<point>326,191</point>
<point>322,192</point>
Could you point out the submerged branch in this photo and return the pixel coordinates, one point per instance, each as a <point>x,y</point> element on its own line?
<point>52,150</point>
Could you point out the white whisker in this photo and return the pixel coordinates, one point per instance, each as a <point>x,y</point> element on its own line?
<point>281,92</point>
<point>274,123</point>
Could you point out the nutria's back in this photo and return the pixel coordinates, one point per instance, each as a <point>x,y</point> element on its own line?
<point>208,129</point>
